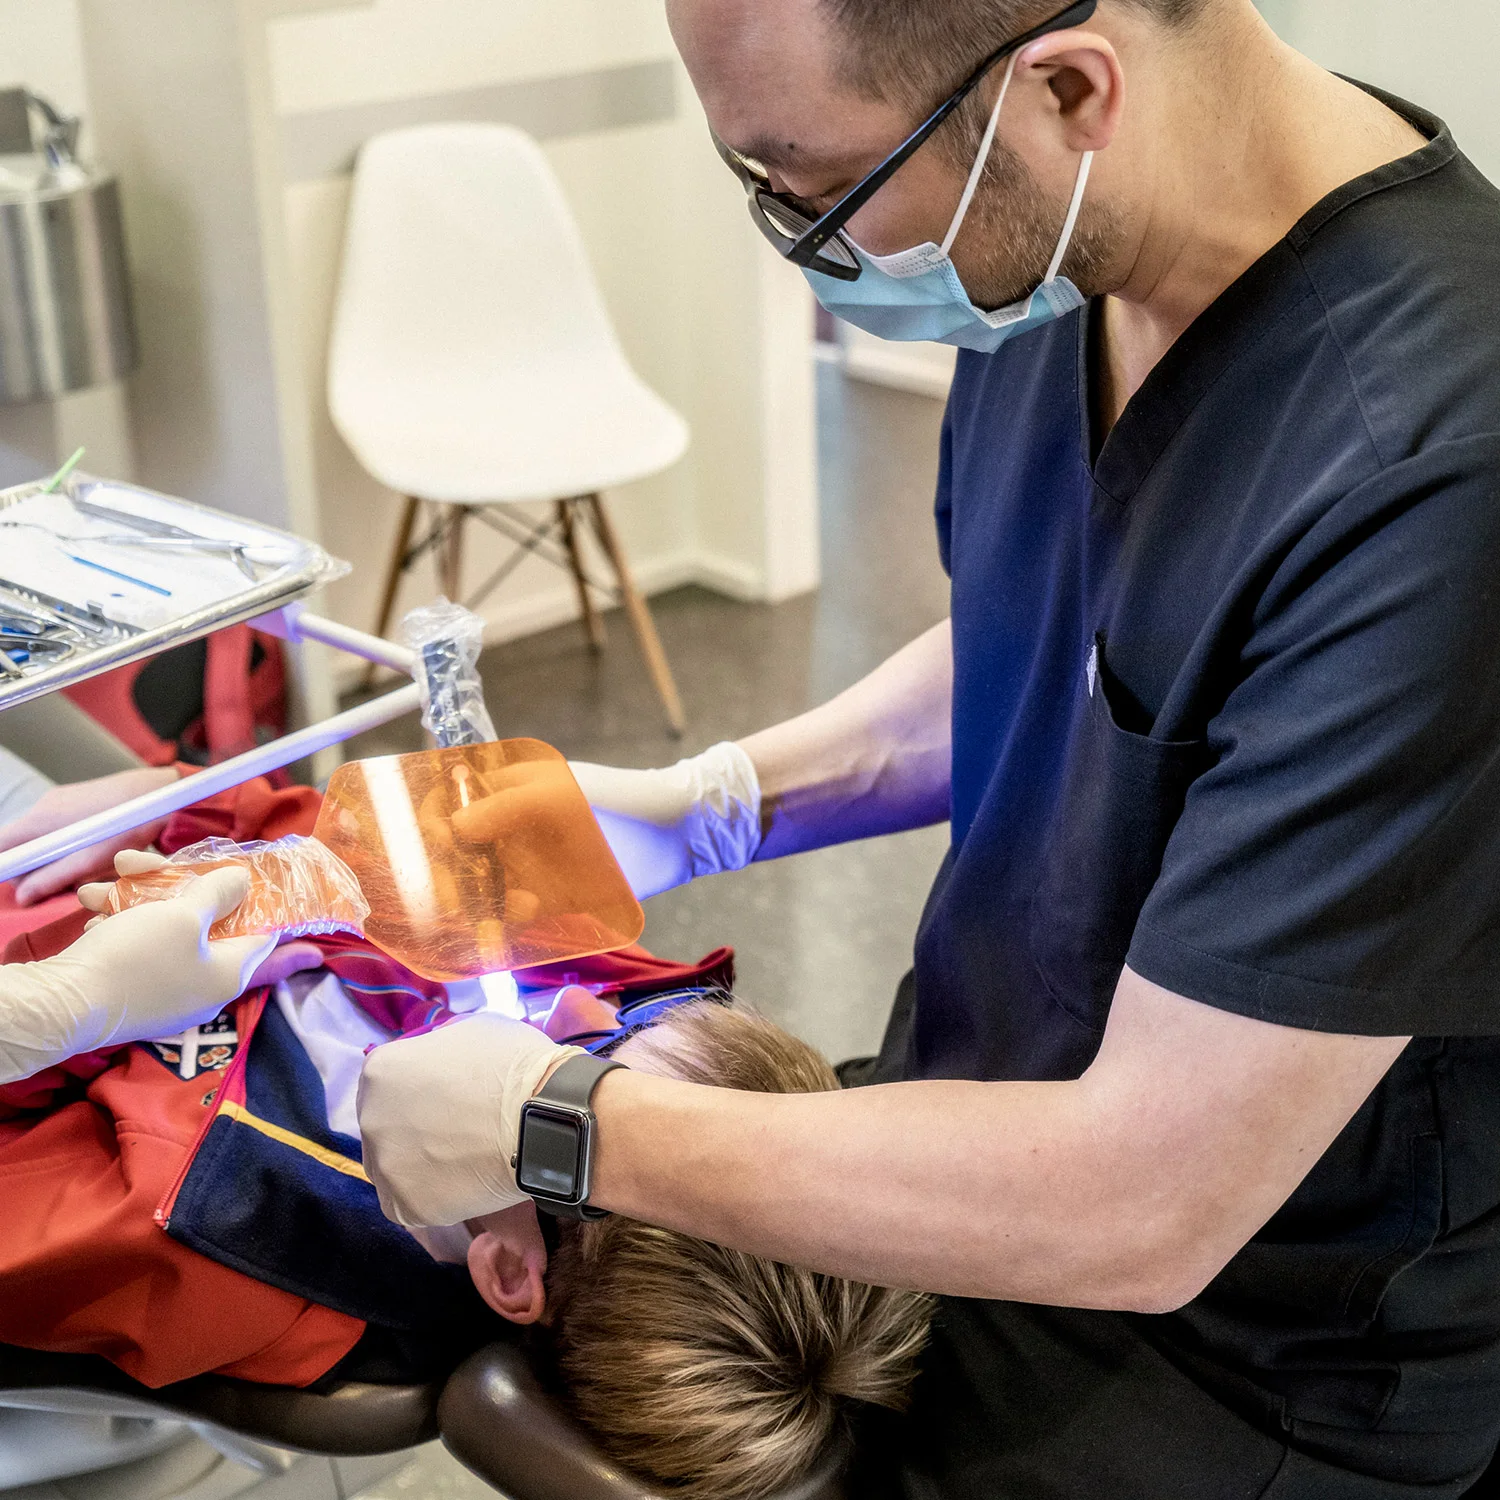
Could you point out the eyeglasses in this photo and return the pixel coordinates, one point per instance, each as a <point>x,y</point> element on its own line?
<point>638,1015</point>
<point>819,243</point>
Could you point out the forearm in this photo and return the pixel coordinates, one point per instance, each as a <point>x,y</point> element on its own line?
<point>44,1019</point>
<point>1130,1187</point>
<point>976,1190</point>
<point>876,759</point>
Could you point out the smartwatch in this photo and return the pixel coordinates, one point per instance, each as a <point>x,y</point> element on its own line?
<point>555,1156</point>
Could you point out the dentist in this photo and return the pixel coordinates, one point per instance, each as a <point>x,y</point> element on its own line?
<point>1214,725</point>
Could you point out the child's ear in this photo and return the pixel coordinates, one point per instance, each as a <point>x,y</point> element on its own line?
<point>508,1261</point>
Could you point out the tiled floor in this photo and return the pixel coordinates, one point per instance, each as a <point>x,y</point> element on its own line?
<point>822,938</point>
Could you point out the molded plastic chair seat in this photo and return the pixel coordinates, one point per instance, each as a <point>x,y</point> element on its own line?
<point>472,358</point>
<point>498,1420</point>
<point>351,1420</point>
<point>572,428</point>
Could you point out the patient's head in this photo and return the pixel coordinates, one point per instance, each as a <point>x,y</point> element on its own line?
<point>718,1374</point>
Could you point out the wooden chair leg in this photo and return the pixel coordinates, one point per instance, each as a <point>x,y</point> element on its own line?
<point>393,576</point>
<point>640,616</point>
<point>451,564</point>
<point>592,623</point>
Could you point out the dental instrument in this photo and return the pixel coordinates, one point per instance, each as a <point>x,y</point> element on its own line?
<point>162,534</point>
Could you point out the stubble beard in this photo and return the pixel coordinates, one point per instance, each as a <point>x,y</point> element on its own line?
<point>1011,233</point>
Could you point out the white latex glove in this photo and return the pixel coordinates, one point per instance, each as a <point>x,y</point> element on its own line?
<point>148,972</point>
<point>667,827</point>
<point>440,1116</point>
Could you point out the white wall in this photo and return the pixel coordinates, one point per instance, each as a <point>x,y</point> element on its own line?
<point>39,47</point>
<point>1441,54</point>
<point>401,48</point>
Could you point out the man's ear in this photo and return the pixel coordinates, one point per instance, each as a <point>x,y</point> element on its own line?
<point>1082,72</point>
<point>508,1261</point>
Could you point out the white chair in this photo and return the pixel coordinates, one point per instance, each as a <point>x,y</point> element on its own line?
<point>473,366</point>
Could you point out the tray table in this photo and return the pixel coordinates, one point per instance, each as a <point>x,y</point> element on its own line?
<point>118,603</point>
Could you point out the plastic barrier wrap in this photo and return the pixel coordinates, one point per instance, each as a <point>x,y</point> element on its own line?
<point>298,887</point>
<point>448,639</point>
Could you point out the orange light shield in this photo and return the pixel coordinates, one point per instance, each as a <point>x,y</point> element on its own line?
<point>478,858</point>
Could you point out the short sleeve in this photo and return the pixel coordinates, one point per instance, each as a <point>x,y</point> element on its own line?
<point>1338,866</point>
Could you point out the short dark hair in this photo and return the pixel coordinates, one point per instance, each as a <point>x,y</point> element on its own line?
<point>912,51</point>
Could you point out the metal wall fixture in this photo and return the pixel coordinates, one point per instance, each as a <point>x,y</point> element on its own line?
<point>66,317</point>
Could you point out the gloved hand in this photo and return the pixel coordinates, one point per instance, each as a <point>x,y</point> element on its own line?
<point>667,827</point>
<point>288,956</point>
<point>150,972</point>
<point>440,1117</point>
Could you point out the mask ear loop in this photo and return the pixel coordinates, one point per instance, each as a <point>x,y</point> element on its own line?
<point>1074,209</point>
<point>977,170</point>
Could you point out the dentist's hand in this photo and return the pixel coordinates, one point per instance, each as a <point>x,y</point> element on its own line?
<point>440,1116</point>
<point>149,972</point>
<point>667,827</point>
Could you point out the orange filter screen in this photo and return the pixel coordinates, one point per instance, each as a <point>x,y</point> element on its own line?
<point>478,858</point>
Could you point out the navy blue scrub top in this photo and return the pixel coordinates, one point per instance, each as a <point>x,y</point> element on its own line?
<point>1227,708</point>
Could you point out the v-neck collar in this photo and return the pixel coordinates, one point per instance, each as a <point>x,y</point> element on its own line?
<point>1248,311</point>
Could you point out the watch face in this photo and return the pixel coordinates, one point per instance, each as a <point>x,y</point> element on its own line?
<point>550,1157</point>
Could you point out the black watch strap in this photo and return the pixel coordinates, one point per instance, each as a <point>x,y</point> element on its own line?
<point>572,1086</point>
<point>573,1082</point>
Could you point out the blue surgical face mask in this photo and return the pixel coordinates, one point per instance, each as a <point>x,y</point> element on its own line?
<point>916,294</point>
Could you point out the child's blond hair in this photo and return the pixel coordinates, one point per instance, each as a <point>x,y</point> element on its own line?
<point>719,1374</point>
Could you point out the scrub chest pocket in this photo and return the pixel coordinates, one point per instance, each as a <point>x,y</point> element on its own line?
<point>1121,795</point>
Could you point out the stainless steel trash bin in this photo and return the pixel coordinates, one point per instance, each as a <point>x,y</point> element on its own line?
<point>66,319</point>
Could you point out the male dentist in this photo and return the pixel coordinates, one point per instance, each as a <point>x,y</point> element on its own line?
<point>1217,726</point>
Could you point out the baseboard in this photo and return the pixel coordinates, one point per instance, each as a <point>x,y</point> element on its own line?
<point>729,576</point>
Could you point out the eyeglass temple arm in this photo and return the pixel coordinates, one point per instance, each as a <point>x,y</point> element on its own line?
<point>807,247</point>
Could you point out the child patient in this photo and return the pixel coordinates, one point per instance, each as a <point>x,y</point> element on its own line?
<point>199,1205</point>
<point>717,1374</point>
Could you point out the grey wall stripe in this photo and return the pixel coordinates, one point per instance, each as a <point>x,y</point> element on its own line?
<point>323,143</point>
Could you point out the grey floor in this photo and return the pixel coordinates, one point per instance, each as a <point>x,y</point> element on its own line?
<point>822,938</point>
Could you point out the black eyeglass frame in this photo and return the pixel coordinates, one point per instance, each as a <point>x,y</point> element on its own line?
<point>807,249</point>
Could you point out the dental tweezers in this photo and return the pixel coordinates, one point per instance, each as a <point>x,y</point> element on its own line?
<point>162,535</point>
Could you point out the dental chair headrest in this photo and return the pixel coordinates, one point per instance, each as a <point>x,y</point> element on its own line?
<point>498,1420</point>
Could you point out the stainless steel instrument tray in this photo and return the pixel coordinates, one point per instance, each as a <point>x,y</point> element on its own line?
<point>219,595</point>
